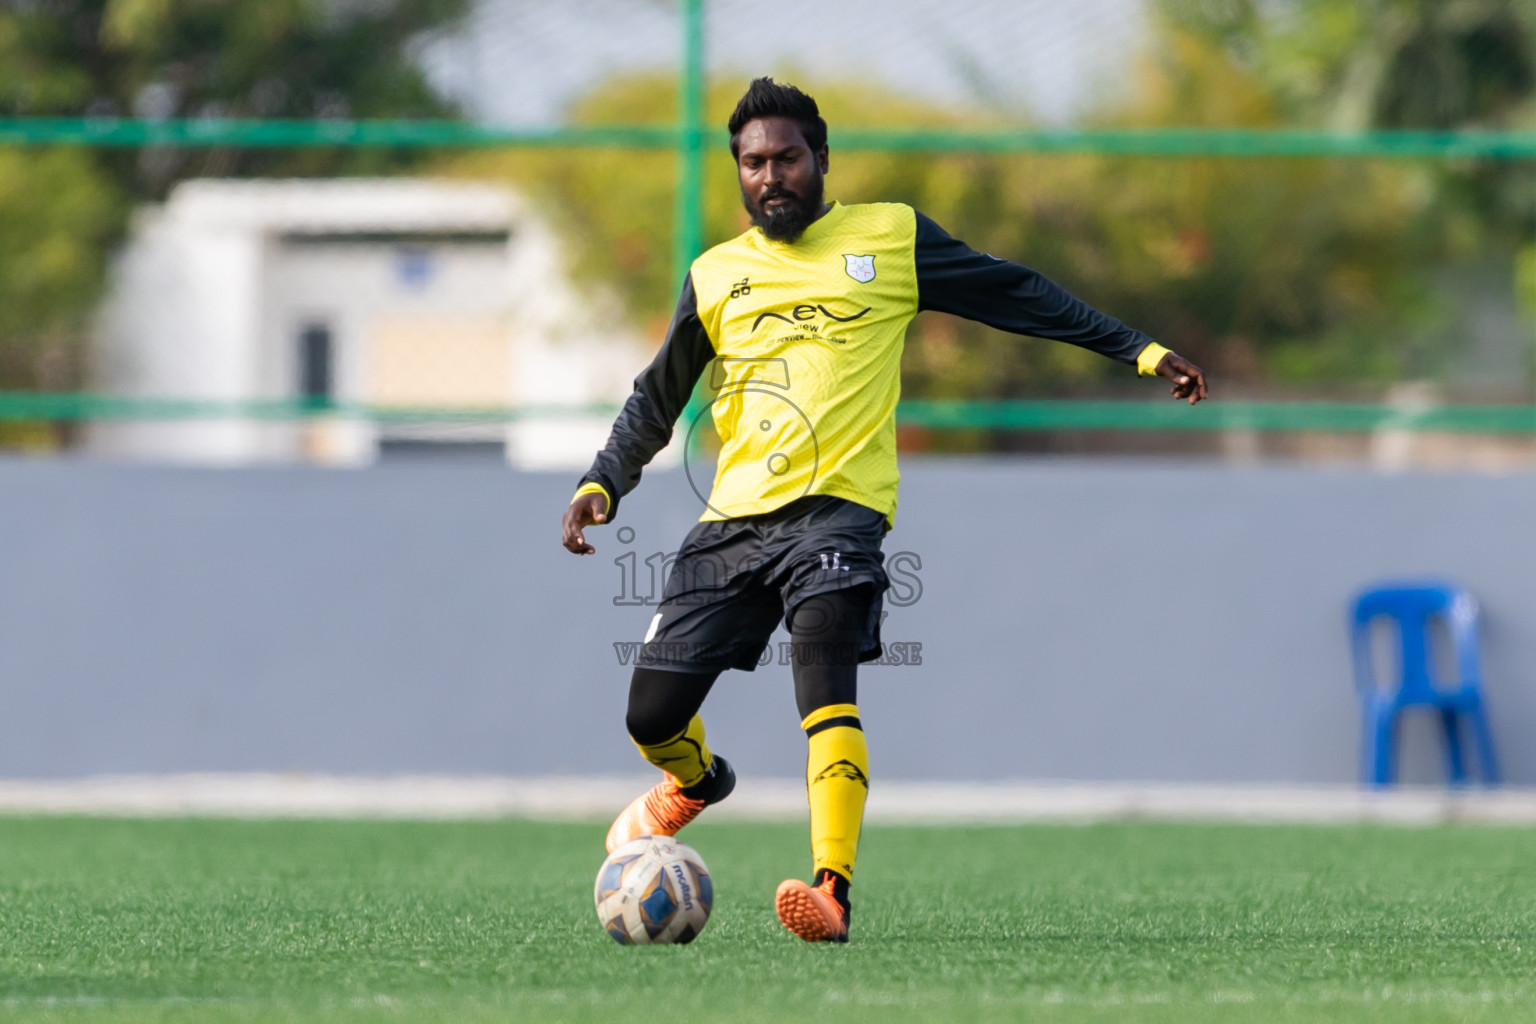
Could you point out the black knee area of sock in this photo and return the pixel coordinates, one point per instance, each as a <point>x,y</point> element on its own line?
<point>827,633</point>
<point>662,703</point>
<point>817,686</point>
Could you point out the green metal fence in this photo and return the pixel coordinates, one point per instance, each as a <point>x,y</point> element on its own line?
<point>688,138</point>
<point>1063,414</point>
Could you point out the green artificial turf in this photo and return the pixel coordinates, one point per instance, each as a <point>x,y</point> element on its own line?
<point>206,920</point>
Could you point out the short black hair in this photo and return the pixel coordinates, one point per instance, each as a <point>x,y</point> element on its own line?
<point>767,98</point>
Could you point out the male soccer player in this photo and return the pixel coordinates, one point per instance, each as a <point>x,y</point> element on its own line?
<point>798,326</point>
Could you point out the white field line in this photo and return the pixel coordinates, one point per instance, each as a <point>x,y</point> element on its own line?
<point>596,797</point>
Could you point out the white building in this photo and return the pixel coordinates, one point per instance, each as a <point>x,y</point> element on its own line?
<point>407,314</point>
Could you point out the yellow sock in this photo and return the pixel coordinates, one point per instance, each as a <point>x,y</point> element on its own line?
<point>685,757</point>
<point>837,780</point>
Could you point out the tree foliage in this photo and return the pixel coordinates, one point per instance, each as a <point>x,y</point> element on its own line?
<point>59,213</point>
<point>1243,264</point>
<point>1272,272</point>
<point>1425,64</point>
<point>63,209</point>
<point>221,58</point>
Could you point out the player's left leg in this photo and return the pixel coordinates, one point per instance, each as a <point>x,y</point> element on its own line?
<point>831,632</point>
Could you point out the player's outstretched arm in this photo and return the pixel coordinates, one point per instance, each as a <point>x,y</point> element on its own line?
<point>1188,379</point>
<point>586,510</point>
<point>954,278</point>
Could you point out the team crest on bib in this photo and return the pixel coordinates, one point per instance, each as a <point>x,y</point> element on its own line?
<point>860,268</point>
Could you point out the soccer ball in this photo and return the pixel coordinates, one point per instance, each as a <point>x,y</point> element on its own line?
<point>653,890</point>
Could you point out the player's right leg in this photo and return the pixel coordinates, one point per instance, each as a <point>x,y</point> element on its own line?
<point>664,722</point>
<point>714,614</point>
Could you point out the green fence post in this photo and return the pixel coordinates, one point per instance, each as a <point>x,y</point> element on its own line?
<point>688,214</point>
<point>688,208</point>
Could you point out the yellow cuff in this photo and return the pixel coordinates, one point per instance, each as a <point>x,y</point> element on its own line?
<point>595,488</point>
<point>1146,362</point>
<point>830,711</point>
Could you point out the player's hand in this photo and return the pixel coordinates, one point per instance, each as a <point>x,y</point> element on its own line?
<point>1188,379</point>
<point>585,511</point>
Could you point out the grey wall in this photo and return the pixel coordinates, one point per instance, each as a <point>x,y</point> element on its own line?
<point>1127,621</point>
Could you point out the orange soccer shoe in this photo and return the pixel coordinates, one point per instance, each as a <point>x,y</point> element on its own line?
<point>815,913</point>
<point>666,807</point>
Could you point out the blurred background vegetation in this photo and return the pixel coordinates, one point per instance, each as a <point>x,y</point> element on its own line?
<point>1318,276</point>
<point>1286,277</point>
<point>63,209</point>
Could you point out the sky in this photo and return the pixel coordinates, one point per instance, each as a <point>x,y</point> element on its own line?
<point>524,62</point>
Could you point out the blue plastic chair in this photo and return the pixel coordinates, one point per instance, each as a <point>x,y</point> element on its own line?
<point>1413,606</point>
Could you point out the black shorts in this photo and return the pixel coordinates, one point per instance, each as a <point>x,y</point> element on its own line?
<point>734,579</point>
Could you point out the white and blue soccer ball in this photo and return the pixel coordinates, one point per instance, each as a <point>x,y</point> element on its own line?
<point>653,890</point>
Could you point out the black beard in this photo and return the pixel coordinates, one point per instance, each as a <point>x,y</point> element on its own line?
<point>786,223</point>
